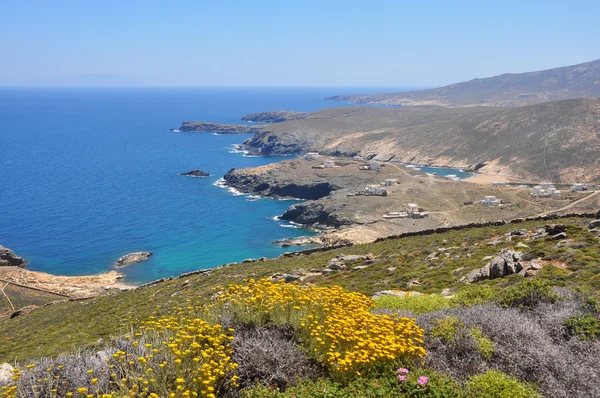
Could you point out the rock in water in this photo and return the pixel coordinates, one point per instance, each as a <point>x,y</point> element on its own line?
<point>195,173</point>
<point>9,258</point>
<point>132,258</point>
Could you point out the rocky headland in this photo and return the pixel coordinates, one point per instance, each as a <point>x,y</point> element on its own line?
<point>207,127</point>
<point>10,259</point>
<point>195,173</point>
<point>331,205</point>
<point>132,258</point>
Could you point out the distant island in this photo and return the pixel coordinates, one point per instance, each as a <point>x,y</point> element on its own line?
<point>195,173</point>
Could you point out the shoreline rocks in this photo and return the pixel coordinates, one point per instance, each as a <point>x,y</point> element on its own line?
<point>10,259</point>
<point>132,258</point>
<point>273,116</point>
<point>195,173</point>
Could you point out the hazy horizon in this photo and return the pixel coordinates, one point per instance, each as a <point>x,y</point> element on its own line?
<point>272,44</point>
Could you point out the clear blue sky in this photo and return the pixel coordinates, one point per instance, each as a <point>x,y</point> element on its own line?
<point>285,43</point>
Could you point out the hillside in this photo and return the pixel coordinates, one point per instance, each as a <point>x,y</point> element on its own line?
<point>507,90</point>
<point>509,323</point>
<point>555,141</point>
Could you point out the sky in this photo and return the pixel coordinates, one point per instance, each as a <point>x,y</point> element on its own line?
<point>289,43</point>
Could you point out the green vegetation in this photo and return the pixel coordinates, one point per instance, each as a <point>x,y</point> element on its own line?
<point>494,384</point>
<point>527,294</point>
<point>479,327</point>
<point>585,326</point>
<point>416,304</point>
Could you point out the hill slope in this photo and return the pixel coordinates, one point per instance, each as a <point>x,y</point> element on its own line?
<point>555,141</point>
<point>509,89</point>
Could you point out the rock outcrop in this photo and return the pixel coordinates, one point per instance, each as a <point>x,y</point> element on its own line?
<point>195,173</point>
<point>6,373</point>
<point>506,262</point>
<point>9,258</point>
<point>207,127</point>
<point>132,258</point>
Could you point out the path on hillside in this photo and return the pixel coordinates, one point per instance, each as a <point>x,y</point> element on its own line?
<point>5,295</point>
<point>570,205</point>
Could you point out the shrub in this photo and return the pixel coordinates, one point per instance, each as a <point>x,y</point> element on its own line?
<point>495,384</point>
<point>475,295</point>
<point>418,304</point>
<point>335,325</point>
<point>270,356</point>
<point>485,345</point>
<point>528,294</point>
<point>585,326</point>
<point>446,328</point>
<point>389,386</point>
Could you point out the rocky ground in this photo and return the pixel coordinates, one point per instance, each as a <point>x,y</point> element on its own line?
<point>359,219</point>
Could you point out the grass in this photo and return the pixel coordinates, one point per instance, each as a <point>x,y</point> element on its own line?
<point>71,325</point>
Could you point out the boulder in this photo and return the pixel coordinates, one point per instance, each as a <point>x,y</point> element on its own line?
<point>522,245</point>
<point>132,258</point>
<point>9,258</point>
<point>506,262</point>
<point>6,374</point>
<point>292,278</point>
<point>518,232</point>
<point>594,224</point>
<point>554,229</point>
<point>559,236</point>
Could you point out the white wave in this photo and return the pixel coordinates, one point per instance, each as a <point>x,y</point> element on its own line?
<point>175,130</point>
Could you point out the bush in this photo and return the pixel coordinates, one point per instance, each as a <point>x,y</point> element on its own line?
<point>495,384</point>
<point>484,345</point>
<point>334,325</point>
<point>475,295</point>
<point>585,326</point>
<point>432,385</point>
<point>446,328</point>
<point>528,294</point>
<point>417,304</point>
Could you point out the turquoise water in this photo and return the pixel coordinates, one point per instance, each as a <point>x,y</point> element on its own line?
<point>88,175</point>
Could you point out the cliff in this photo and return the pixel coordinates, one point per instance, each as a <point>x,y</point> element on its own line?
<point>9,258</point>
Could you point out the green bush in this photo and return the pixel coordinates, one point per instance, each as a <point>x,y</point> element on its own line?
<point>476,295</point>
<point>416,304</point>
<point>528,294</point>
<point>485,346</point>
<point>585,326</point>
<point>446,328</point>
<point>389,386</point>
<point>495,384</point>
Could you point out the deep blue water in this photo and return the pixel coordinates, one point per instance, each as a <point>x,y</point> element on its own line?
<point>88,175</point>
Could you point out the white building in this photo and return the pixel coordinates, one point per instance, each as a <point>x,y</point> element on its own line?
<point>498,183</point>
<point>389,182</point>
<point>578,187</point>
<point>375,190</point>
<point>414,211</point>
<point>374,164</point>
<point>312,155</point>
<point>490,201</point>
<point>328,164</point>
<point>540,192</point>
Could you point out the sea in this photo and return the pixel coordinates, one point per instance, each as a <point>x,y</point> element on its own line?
<point>90,174</point>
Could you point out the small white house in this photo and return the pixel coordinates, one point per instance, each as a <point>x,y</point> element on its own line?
<point>328,164</point>
<point>499,183</point>
<point>540,192</point>
<point>375,190</point>
<point>490,201</point>
<point>414,211</point>
<point>374,164</point>
<point>389,182</point>
<point>312,155</point>
<point>554,192</point>
<point>578,187</point>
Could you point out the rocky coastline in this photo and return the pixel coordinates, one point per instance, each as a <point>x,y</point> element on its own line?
<point>132,258</point>
<point>273,116</point>
<point>207,127</point>
<point>8,258</point>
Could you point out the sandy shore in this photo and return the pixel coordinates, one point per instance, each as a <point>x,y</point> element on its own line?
<point>484,179</point>
<point>71,286</point>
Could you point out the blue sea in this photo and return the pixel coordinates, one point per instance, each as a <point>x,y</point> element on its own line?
<point>91,174</point>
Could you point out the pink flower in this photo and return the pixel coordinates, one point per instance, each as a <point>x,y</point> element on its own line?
<point>401,377</point>
<point>423,380</point>
<point>402,370</point>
